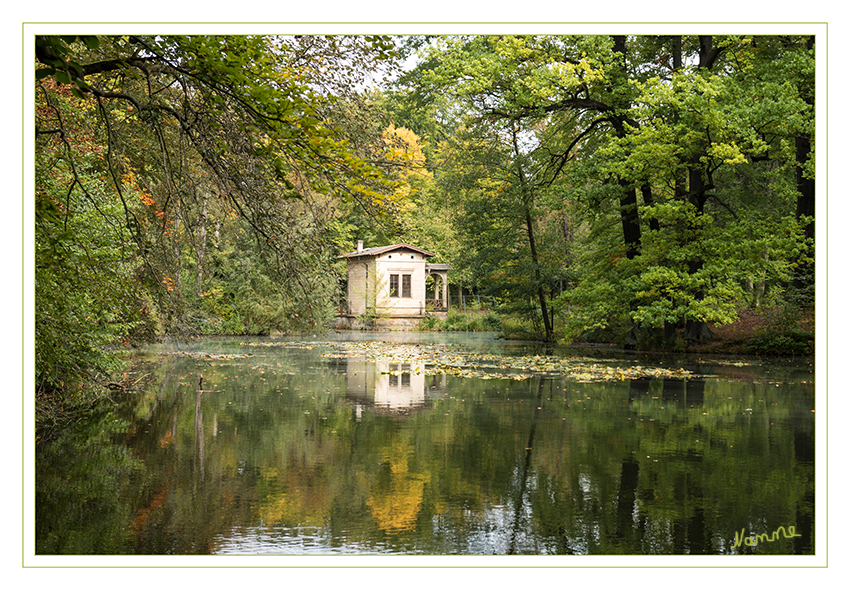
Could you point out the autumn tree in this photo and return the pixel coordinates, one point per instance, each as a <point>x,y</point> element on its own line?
<point>159,144</point>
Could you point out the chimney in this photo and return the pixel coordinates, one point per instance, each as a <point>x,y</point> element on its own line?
<point>359,245</point>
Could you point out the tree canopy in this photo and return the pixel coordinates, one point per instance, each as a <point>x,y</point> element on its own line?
<point>195,183</point>
<point>685,161</point>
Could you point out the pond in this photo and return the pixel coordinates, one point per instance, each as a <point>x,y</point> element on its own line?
<point>435,444</point>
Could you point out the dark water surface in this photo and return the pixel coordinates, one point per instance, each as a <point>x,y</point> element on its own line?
<point>310,447</point>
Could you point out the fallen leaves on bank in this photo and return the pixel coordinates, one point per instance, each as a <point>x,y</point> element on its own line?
<point>457,361</point>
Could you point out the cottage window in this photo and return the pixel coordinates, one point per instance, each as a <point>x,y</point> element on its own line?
<point>405,287</point>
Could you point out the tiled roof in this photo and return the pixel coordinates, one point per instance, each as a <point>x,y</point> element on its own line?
<point>383,249</point>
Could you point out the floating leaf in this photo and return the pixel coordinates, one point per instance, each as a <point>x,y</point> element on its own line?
<point>441,359</point>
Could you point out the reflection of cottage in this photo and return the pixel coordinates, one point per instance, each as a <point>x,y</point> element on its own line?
<point>389,283</point>
<point>394,388</point>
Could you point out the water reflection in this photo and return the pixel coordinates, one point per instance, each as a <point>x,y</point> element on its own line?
<point>395,497</point>
<point>397,388</point>
<point>284,450</point>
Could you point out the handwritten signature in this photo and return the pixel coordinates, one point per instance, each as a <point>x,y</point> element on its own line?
<point>752,540</point>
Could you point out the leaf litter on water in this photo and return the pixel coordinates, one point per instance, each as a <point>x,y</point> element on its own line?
<point>451,360</point>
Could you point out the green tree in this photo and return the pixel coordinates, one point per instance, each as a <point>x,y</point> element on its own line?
<point>686,143</point>
<point>500,84</point>
<point>702,131</point>
<point>85,266</point>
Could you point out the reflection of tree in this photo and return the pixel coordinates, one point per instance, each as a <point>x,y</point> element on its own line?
<point>529,447</point>
<point>304,500</point>
<point>673,470</point>
<point>552,465</point>
<point>396,497</point>
<point>79,476</point>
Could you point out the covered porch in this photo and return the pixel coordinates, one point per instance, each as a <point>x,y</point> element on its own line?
<point>437,296</point>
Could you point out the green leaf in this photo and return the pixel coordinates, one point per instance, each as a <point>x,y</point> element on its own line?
<point>91,41</point>
<point>44,73</point>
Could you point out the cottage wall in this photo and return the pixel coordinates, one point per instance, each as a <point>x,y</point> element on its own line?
<point>401,262</point>
<point>361,273</point>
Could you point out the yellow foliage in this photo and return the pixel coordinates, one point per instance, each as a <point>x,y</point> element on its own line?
<point>395,508</point>
<point>295,506</point>
<point>404,146</point>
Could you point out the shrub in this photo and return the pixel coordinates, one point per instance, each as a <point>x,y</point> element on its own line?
<point>515,328</point>
<point>781,343</point>
<point>783,334</point>
<point>457,321</point>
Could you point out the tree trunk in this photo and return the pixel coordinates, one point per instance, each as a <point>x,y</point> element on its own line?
<point>527,199</point>
<point>178,264</point>
<point>567,232</point>
<point>646,192</point>
<point>681,188</point>
<point>201,246</point>
<point>541,294</point>
<point>697,330</point>
<point>677,53</point>
<point>629,216</point>
<point>804,275</point>
<point>630,219</point>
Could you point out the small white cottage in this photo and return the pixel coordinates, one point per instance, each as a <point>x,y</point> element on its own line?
<point>390,282</point>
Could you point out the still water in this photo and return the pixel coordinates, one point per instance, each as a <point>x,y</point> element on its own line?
<point>435,444</point>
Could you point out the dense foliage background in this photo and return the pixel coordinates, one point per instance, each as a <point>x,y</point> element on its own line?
<point>632,189</point>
